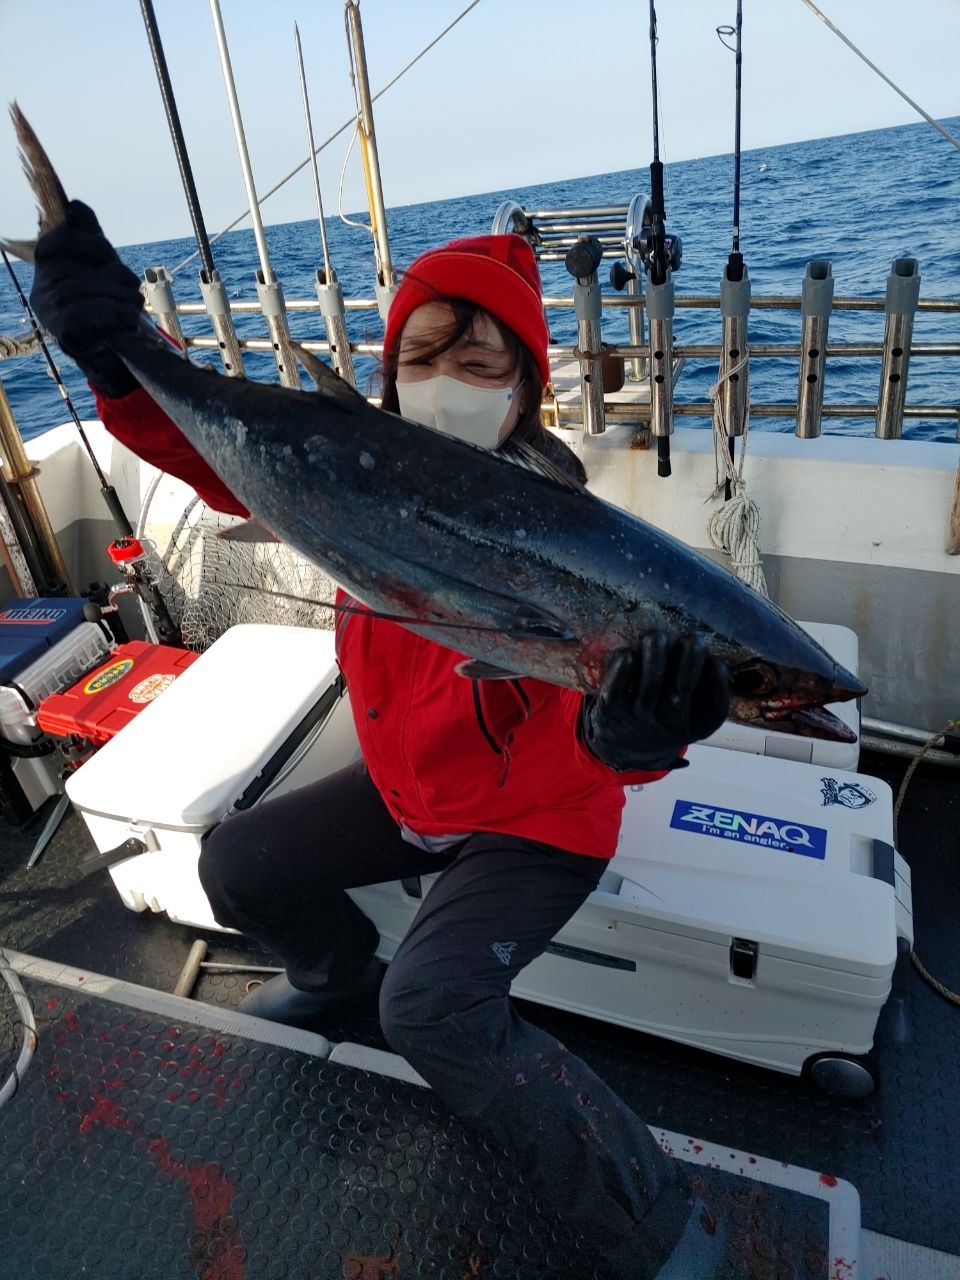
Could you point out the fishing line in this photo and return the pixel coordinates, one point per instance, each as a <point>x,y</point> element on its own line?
<point>951,727</point>
<point>333,136</point>
<point>363,226</point>
<point>527,633</point>
<point>873,67</point>
<point>29,1046</point>
<point>109,493</point>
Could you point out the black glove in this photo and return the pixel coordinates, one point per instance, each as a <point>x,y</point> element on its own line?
<point>83,294</point>
<point>653,700</point>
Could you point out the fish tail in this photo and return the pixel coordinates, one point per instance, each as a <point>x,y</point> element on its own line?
<point>40,173</point>
<point>23,249</point>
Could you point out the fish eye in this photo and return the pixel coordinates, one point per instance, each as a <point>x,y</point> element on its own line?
<point>752,679</point>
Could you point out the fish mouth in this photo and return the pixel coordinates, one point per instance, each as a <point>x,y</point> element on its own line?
<point>818,722</point>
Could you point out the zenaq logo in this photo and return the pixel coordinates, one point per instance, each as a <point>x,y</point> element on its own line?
<point>750,828</point>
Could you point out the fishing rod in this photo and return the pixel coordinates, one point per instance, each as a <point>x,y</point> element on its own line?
<point>110,495</point>
<point>125,551</point>
<point>211,285</point>
<point>734,381</point>
<point>661,255</point>
<point>329,292</point>
<point>347,124</point>
<point>734,528</point>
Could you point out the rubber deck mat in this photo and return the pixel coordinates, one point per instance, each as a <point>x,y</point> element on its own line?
<point>900,1148</point>
<point>144,1147</point>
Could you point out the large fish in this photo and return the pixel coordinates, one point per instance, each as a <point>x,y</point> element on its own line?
<point>523,573</point>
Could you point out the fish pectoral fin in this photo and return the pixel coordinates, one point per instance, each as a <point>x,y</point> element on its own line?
<point>476,669</point>
<point>328,383</point>
<point>249,531</point>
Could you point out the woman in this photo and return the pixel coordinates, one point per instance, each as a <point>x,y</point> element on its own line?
<point>512,789</point>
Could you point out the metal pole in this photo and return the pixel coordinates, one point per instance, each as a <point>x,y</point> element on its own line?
<point>386,279</point>
<point>313,156</point>
<point>329,293</point>
<point>268,286</point>
<point>21,479</point>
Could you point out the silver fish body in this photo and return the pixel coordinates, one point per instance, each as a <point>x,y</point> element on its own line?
<point>535,578</point>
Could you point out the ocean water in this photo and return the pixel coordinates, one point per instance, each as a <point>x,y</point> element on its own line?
<point>858,200</point>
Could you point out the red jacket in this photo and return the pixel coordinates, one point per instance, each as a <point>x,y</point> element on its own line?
<point>446,753</point>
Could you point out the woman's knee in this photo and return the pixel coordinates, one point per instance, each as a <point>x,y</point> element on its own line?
<point>420,1017</point>
<point>229,870</point>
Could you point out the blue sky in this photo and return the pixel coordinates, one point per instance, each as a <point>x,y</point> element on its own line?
<point>522,91</point>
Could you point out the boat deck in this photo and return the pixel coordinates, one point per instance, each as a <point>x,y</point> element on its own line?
<point>63,1134</point>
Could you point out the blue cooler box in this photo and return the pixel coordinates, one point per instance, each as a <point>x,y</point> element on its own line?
<point>45,645</point>
<point>29,627</point>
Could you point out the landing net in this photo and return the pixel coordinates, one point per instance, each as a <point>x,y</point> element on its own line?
<point>210,584</point>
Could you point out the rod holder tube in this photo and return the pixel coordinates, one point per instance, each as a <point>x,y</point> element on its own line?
<point>816,303</point>
<point>270,293</point>
<point>660,317</point>
<point>734,381</point>
<point>217,303</point>
<point>582,261</point>
<point>158,288</point>
<point>903,294</point>
<point>330,297</point>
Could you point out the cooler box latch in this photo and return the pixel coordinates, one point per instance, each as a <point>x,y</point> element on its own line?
<point>131,848</point>
<point>743,959</point>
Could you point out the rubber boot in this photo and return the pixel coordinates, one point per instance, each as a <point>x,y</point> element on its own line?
<point>700,1252</point>
<point>280,1001</point>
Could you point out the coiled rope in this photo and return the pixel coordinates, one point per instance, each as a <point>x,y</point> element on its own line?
<point>734,528</point>
<point>10,347</point>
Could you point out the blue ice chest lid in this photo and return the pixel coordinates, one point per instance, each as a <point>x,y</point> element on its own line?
<point>28,628</point>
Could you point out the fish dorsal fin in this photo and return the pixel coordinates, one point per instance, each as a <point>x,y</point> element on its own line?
<point>477,669</point>
<point>526,455</point>
<point>327,382</point>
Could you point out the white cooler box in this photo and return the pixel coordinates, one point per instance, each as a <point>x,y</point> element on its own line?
<point>60,666</point>
<point>753,909</point>
<point>235,727</point>
<point>841,643</point>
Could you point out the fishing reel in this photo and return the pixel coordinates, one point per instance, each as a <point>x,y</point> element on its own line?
<point>646,245</point>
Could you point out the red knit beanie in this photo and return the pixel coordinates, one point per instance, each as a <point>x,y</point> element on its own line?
<point>498,273</point>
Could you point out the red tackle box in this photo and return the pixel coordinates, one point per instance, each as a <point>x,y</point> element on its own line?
<point>103,702</point>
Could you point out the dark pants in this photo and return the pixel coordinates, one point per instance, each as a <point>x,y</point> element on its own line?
<point>277,873</point>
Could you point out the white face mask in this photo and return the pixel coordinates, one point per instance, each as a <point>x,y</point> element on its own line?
<point>473,414</point>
